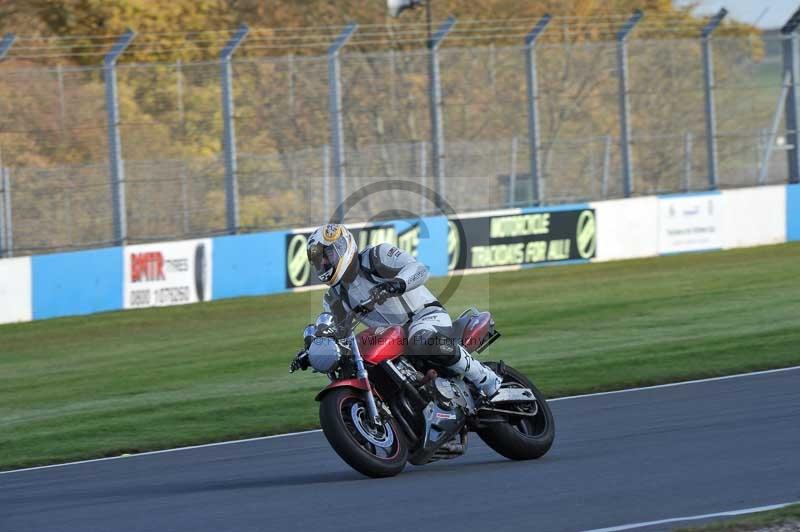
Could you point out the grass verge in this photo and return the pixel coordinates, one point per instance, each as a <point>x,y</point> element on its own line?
<point>101,385</point>
<point>787,518</point>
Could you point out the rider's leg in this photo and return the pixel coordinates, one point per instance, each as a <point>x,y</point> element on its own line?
<point>429,335</point>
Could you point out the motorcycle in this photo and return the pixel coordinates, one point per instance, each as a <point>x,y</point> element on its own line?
<point>384,408</point>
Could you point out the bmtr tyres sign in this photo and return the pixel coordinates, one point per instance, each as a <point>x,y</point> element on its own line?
<point>522,238</point>
<point>174,273</point>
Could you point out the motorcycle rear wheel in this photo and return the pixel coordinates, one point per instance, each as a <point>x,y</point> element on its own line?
<point>522,438</point>
<point>375,452</point>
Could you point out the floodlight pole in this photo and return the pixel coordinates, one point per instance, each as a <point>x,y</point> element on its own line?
<point>536,186</point>
<point>435,105</point>
<point>791,64</point>
<point>335,110</point>
<point>624,118</point>
<point>117,167</point>
<point>229,130</point>
<point>708,82</point>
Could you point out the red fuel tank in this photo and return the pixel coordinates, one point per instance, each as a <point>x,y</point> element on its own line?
<point>381,343</point>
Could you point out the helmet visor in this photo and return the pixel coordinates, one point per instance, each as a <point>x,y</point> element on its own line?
<point>325,259</point>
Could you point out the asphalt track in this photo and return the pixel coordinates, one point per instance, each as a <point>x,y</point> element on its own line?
<point>640,456</point>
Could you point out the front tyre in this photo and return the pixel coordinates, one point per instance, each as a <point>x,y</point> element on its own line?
<point>523,437</point>
<point>374,451</point>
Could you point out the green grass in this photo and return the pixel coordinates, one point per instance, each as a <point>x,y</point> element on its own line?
<point>759,521</point>
<point>138,380</point>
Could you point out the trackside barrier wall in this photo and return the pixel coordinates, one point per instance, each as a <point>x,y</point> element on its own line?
<point>169,273</point>
<point>793,212</point>
<point>15,290</point>
<point>81,282</point>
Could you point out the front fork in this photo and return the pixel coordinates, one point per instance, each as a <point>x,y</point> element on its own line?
<point>361,371</point>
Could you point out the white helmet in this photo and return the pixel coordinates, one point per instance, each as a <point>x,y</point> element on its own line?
<point>332,251</point>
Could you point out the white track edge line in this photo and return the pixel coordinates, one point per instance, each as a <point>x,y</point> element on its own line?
<point>681,383</point>
<point>730,513</point>
<point>259,438</point>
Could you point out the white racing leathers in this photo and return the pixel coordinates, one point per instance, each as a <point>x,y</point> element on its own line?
<point>429,325</point>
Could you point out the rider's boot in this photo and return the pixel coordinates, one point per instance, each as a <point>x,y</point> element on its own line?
<point>486,380</point>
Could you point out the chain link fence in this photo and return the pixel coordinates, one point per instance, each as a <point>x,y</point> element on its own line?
<point>54,146</point>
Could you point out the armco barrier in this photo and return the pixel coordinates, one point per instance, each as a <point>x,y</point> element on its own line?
<point>249,265</point>
<point>15,290</point>
<point>82,282</point>
<point>85,282</point>
<point>753,217</point>
<point>793,212</point>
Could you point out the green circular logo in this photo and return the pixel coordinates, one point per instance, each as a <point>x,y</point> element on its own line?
<point>296,261</point>
<point>453,246</point>
<point>586,236</point>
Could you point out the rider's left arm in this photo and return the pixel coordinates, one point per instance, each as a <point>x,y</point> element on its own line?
<point>398,267</point>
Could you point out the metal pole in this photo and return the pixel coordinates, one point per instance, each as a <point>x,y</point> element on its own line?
<point>687,161</point>
<point>791,63</point>
<point>423,170</point>
<point>512,174</point>
<point>2,216</point>
<point>117,168</point>
<point>606,165</point>
<point>437,120</point>
<point>335,110</point>
<point>624,118</point>
<point>536,186</point>
<point>179,89</point>
<point>9,218</point>
<point>776,121</point>
<point>62,108</point>
<point>326,182</point>
<point>708,82</point>
<point>6,43</point>
<point>229,131</point>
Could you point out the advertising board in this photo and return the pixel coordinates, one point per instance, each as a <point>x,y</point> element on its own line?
<point>406,235</point>
<point>522,238</point>
<point>15,290</point>
<point>170,273</point>
<point>690,223</point>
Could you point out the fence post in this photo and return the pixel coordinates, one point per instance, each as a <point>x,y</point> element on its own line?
<point>535,188</point>
<point>335,110</point>
<point>606,165</point>
<point>6,218</point>
<point>326,182</point>
<point>437,121</point>
<point>229,130</point>
<point>624,118</point>
<point>708,84</point>
<point>687,161</point>
<point>118,207</point>
<point>791,63</point>
<point>512,175</point>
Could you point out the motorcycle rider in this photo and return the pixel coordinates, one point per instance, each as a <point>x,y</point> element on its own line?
<point>395,281</point>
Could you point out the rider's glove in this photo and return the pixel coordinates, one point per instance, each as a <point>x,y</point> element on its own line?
<point>300,362</point>
<point>385,290</point>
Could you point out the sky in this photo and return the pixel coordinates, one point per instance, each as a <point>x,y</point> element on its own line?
<point>777,11</point>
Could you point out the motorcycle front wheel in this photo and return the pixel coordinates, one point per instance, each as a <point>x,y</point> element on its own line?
<point>373,451</point>
<point>523,437</point>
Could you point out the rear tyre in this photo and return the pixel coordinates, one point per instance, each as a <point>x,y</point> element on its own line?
<point>522,438</point>
<point>374,451</point>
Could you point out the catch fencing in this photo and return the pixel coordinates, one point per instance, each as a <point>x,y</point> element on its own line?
<point>186,149</point>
